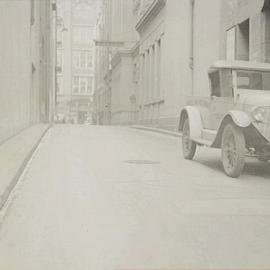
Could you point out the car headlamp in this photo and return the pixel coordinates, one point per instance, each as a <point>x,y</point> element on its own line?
<point>260,114</point>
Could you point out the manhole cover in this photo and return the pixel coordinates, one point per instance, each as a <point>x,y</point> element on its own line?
<point>141,162</point>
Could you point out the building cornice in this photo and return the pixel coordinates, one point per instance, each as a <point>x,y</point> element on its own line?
<point>136,49</point>
<point>118,56</point>
<point>131,52</point>
<point>150,14</point>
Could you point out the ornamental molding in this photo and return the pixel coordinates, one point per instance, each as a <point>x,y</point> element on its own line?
<point>149,14</point>
<point>87,2</point>
<point>117,58</point>
<point>136,6</point>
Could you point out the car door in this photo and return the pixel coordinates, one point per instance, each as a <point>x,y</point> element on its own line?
<point>221,96</point>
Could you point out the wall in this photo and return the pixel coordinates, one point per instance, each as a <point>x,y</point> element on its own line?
<point>208,36</point>
<point>193,35</point>
<point>122,83</point>
<point>171,27</point>
<point>123,88</point>
<point>22,96</point>
<point>176,50</point>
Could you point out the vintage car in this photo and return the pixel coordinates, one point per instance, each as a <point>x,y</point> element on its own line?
<point>235,118</point>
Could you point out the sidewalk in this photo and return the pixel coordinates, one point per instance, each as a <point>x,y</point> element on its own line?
<point>14,155</point>
<point>158,130</point>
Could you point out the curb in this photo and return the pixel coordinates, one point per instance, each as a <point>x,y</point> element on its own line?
<point>4,197</point>
<point>158,130</point>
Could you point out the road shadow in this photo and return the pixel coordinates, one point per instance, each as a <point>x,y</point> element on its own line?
<point>253,167</point>
<point>257,168</point>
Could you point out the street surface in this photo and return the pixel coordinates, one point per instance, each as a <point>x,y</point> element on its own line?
<point>117,198</point>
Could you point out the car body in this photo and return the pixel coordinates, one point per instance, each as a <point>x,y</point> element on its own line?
<point>235,117</point>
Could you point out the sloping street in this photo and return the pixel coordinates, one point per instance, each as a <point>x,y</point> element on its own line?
<point>99,198</point>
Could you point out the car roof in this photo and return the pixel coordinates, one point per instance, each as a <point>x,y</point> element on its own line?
<point>242,65</point>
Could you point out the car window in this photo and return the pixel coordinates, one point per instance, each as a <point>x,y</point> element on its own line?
<point>226,83</point>
<point>253,80</point>
<point>215,83</point>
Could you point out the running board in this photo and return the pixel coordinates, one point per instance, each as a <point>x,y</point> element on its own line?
<point>203,142</point>
<point>209,134</point>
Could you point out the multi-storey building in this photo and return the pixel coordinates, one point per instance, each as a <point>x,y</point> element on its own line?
<point>117,62</point>
<point>102,96</point>
<point>27,64</point>
<point>75,59</point>
<point>165,72</point>
<point>178,42</point>
<point>232,29</point>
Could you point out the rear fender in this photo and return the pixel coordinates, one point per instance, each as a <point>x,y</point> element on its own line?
<point>195,121</point>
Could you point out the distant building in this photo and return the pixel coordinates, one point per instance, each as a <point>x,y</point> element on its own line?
<point>27,54</point>
<point>75,59</point>
<point>102,95</point>
<point>117,62</point>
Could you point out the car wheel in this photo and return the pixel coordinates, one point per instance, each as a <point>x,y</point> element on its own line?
<point>188,146</point>
<point>233,150</point>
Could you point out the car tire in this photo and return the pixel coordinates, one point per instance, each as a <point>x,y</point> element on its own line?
<point>188,146</point>
<point>233,150</point>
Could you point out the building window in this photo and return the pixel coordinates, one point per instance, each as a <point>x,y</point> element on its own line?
<point>82,85</point>
<point>267,32</point>
<point>59,86</point>
<point>76,84</point>
<point>158,67</point>
<point>242,49</point>
<point>89,62</point>
<point>82,35</point>
<point>59,35</point>
<point>147,67</point>
<point>82,59</point>
<point>152,72</point>
<point>59,60</point>
<point>32,12</point>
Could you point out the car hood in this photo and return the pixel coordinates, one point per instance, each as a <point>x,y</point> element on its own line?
<point>255,99</point>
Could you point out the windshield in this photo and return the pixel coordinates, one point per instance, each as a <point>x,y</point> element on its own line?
<point>253,80</point>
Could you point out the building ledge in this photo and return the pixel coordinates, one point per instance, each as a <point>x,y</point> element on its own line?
<point>129,52</point>
<point>154,102</point>
<point>150,14</point>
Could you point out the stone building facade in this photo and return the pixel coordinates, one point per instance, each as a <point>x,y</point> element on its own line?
<point>178,42</point>
<point>102,95</point>
<point>27,64</point>
<point>164,28</point>
<point>117,64</point>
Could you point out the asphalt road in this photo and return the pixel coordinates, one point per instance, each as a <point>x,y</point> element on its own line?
<point>118,198</point>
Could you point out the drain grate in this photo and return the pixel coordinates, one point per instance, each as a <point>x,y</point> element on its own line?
<point>141,162</point>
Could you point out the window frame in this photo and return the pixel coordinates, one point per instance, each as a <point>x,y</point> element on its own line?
<point>84,85</point>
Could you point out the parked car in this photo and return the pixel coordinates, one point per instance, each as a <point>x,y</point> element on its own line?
<point>235,117</point>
